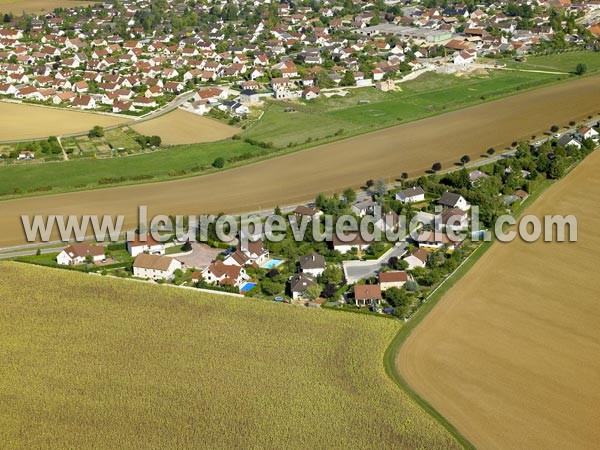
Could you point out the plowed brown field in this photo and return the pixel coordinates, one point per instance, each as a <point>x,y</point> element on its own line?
<point>510,355</point>
<point>296,177</point>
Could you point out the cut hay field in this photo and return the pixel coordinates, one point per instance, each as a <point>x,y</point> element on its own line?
<point>300,176</point>
<point>92,362</point>
<point>35,6</point>
<point>22,121</point>
<point>510,354</point>
<point>181,127</point>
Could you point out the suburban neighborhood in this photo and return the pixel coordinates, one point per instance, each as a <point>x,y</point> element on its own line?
<point>129,57</point>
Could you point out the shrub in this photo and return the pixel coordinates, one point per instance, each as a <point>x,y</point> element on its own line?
<point>218,163</point>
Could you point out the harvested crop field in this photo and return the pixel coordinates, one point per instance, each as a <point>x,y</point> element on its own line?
<point>36,6</point>
<point>300,176</point>
<point>92,362</point>
<point>510,355</point>
<point>22,121</point>
<point>181,127</point>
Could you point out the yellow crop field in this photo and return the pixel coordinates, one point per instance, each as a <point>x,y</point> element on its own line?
<point>22,121</point>
<point>181,127</point>
<point>93,362</point>
<point>510,354</point>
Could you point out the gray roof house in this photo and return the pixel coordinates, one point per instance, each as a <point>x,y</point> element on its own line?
<point>312,264</point>
<point>299,284</point>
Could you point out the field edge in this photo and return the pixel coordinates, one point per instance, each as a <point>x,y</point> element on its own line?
<point>391,354</point>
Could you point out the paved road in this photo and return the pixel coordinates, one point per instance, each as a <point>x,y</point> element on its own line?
<point>357,270</point>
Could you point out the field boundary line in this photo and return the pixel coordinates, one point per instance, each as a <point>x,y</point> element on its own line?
<point>391,353</point>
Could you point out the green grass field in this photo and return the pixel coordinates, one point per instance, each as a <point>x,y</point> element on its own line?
<point>564,62</point>
<point>92,362</point>
<point>368,109</point>
<point>82,173</point>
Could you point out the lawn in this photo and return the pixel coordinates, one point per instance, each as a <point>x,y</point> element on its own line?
<point>564,62</point>
<point>92,362</point>
<point>368,109</point>
<point>92,173</point>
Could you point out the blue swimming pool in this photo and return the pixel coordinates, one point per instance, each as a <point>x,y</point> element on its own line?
<point>272,263</point>
<point>247,287</point>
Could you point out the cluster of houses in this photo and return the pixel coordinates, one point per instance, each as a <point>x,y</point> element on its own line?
<point>576,139</point>
<point>152,263</point>
<point>67,58</point>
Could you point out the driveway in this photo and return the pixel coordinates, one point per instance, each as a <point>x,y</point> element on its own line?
<point>200,257</point>
<point>357,270</point>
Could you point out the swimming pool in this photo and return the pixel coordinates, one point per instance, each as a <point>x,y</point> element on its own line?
<point>247,287</point>
<point>272,263</point>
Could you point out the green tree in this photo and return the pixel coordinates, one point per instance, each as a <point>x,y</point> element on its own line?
<point>349,195</point>
<point>348,79</point>
<point>411,286</point>
<point>219,163</point>
<point>313,292</point>
<point>396,297</point>
<point>581,69</point>
<point>270,287</point>
<point>97,131</point>
<point>333,275</point>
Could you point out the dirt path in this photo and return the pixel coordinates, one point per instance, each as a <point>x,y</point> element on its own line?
<point>298,177</point>
<point>510,355</point>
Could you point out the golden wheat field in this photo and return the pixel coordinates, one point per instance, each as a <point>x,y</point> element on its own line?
<point>181,127</point>
<point>93,362</point>
<point>21,121</point>
<point>510,354</point>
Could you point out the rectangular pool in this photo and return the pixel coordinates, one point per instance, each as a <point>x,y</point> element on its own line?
<point>272,263</point>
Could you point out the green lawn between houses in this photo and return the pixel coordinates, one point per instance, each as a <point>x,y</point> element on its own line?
<point>320,121</point>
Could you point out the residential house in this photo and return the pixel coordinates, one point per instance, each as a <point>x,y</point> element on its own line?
<point>397,278</point>
<point>155,267</point>
<point>312,264</point>
<point>225,275</point>
<point>454,219</point>
<point>418,258</point>
<point>411,195</point>
<point>249,96</point>
<point>587,133</point>
<point>566,140</point>
<point>298,285</point>
<point>84,102</point>
<point>145,244</point>
<point>350,241</point>
<point>310,93</point>
<point>306,211</point>
<point>251,253</point>
<point>436,240</point>
<point>366,207</point>
<point>367,295</point>
<point>79,254</point>
<point>453,200</point>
